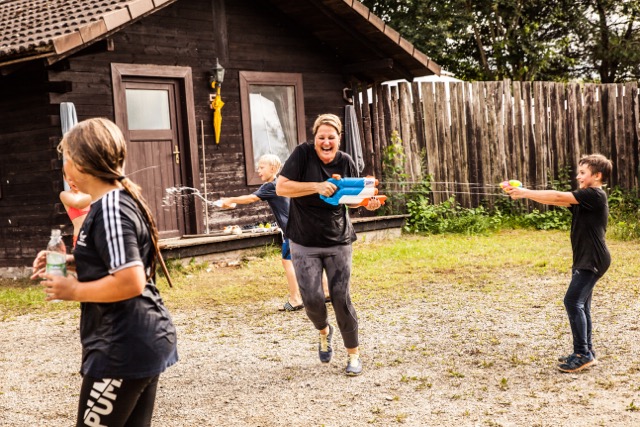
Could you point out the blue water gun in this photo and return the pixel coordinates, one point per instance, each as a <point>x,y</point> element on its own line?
<point>353,191</point>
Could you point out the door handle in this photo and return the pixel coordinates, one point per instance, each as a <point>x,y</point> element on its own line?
<point>176,152</point>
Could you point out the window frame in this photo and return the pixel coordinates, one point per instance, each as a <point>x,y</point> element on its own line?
<point>248,78</point>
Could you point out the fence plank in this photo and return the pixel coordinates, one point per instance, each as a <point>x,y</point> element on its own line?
<point>541,101</point>
<point>368,138</point>
<point>507,105</point>
<point>609,102</point>
<point>480,121</point>
<point>519,152</point>
<point>463,159</point>
<point>573,137</point>
<point>635,111</point>
<point>407,132</point>
<point>388,113</point>
<point>430,131</point>
<point>472,157</point>
<point>419,118</point>
<point>442,189</point>
<point>375,133</point>
<point>494,128</point>
<point>621,149</point>
<point>557,137</point>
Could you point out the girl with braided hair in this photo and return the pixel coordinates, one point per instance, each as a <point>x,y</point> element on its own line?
<point>128,337</point>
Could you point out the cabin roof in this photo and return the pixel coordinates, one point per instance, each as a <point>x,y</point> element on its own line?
<point>54,29</point>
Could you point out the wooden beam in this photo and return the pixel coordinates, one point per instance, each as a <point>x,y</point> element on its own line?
<point>220,30</point>
<point>361,38</point>
<point>359,67</point>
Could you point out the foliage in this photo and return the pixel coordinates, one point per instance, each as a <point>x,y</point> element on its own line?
<point>450,217</point>
<point>607,40</point>
<point>522,40</point>
<point>447,217</point>
<point>553,219</point>
<point>394,179</point>
<point>487,39</point>
<point>624,214</point>
<point>563,181</point>
<point>393,176</point>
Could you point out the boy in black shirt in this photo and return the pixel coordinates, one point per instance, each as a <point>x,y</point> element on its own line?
<point>591,258</point>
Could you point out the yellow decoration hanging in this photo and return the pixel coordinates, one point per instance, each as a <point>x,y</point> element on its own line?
<point>217,105</point>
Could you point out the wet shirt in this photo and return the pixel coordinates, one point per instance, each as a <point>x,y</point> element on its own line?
<point>134,338</point>
<point>279,205</point>
<point>312,221</point>
<point>588,229</point>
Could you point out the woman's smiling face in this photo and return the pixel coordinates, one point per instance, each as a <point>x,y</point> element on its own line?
<point>326,142</point>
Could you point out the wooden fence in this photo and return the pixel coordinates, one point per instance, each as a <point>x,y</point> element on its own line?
<point>471,136</point>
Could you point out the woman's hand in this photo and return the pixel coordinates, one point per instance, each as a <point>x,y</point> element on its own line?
<point>39,265</point>
<point>326,188</point>
<point>59,287</point>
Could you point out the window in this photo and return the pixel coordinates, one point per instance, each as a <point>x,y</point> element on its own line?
<point>272,117</point>
<point>147,109</point>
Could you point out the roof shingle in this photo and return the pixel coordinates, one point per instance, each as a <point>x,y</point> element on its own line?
<point>56,26</point>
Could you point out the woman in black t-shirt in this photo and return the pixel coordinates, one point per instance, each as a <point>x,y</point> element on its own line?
<point>591,258</point>
<point>127,335</point>
<point>321,234</point>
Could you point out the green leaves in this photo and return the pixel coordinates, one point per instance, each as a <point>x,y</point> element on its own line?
<point>520,39</point>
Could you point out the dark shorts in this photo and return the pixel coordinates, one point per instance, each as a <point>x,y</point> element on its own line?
<point>114,402</point>
<point>286,249</point>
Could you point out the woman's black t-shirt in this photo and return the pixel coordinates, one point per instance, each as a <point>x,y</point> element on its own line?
<point>312,221</point>
<point>134,338</point>
<point>588,229</point>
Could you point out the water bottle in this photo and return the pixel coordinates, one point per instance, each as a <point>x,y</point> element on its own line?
<point>56,255</point>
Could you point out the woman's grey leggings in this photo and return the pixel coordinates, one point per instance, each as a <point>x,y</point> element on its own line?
<point>309,262</point>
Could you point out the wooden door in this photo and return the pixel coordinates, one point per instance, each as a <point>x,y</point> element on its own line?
<point>152,125</point>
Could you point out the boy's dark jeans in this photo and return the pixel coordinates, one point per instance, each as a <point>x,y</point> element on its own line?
<point>577,302</point>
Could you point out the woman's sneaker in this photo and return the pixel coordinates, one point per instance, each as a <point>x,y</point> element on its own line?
<point>577,362</point>
<point>354,365</point>
<point>564,359</point>
<point>325,349</point>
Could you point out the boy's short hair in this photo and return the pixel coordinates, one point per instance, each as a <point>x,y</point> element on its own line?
<point>597,163</point>
<point>272,160</point>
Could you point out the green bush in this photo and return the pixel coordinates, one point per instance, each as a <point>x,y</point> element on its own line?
<point>450,217</point>
<point>624,214</point>
<point>447,217</point>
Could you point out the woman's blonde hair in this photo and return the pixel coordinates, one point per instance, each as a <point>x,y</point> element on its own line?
<point>98,148</point>
<point>327,119</point>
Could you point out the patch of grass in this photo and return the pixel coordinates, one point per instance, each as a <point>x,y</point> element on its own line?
<point>632,407</point>
<point>386,274</point>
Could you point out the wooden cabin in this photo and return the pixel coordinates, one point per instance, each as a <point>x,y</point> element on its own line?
<point>150,66</point>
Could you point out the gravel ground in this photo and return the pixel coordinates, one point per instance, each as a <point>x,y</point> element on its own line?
<point>457,357</point>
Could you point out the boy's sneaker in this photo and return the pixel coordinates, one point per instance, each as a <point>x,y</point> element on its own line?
<point>564,359</point>
<point>577,362</point>
<point>354,365</point>
<point>325,349</point>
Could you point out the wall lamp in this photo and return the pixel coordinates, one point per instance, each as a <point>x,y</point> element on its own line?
<point>216,75</point>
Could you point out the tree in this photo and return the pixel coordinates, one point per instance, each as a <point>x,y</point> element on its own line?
<point>488,39</point>
<point>608,40</point>
<point>522,40</point>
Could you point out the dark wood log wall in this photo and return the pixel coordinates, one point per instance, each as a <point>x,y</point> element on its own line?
<point>258,37</point>
<point>29,166</point>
